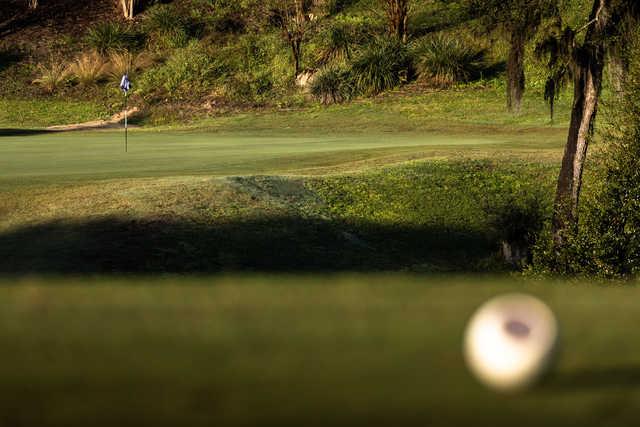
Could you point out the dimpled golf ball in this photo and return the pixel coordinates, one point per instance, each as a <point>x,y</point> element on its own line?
<point>510,342</point>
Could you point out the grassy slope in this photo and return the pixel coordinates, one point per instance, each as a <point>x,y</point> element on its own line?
<point>172,204</point>
<point>322,350</point>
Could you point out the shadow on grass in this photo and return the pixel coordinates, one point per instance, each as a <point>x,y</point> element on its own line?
<point>613,377</point>
<point>22,132</point>
<point>116,245</point>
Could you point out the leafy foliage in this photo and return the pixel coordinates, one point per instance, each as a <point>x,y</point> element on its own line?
<point>444,61</point>
<point>607,239</point>
<point>187,73</point>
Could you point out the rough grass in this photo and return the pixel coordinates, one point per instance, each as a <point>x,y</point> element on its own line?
<point>409,109</point>
<point>425,216</point>
<point>37,113</point>
<point>291,350</point>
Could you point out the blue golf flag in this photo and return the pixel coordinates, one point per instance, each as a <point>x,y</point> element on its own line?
<point>125,84</point>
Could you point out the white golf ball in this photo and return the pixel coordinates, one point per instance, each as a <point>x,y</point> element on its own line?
<point>510,341</point>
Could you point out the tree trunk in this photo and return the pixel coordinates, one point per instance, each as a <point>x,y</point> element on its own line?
<point>296,50</point>
<point>590,62</point>
<point>128,8</point>
<point>617,70</point>
<point>398,16</point>
<point>515,72</point>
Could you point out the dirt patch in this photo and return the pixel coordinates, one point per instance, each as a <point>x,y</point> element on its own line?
<point>114,121</point>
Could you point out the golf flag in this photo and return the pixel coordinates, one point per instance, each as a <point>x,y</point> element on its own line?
<point>125,84</point>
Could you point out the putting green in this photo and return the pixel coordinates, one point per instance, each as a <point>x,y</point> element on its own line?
<point>100,155</point>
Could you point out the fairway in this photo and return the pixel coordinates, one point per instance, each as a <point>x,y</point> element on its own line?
<point>298,350</point>
<point>90,156</point>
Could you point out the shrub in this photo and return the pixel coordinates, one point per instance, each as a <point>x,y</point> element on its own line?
<point>332,85</point>
<point>517,215</point>
<point>256,70</point>
<point>337,6</point>
<point>188,73</point>
<point>52,75</point>
<point>108,36</point>
<point>88,68</point>
<point>169,28</point>
<point>382,65</point>
<point>444,61</point>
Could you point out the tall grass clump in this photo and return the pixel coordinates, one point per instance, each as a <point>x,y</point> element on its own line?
<point>108,36</point>
<point>167,27</point>
<point>443,61</point>
<point>53,75</point>
<point>123,62</point>
<point>383,64</point>
<point>89,68</point>
<point>332,85</point>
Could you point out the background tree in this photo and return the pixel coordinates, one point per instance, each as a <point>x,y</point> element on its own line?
<point>291,16</point>
<point>589,60</point>
<point>397,12</point>
<point>129,7</point>
<point>519,19</point>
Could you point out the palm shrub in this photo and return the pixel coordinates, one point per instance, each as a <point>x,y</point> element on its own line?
<point>88,68</point>
<point>382,64</point>
<point>167,26</point>
<point>336,44</point>
<point>53,75</point>
<point>332,84</point>
<point>108,36</point>
<point>443,60</point>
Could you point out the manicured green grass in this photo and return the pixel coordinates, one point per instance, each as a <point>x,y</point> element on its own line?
<point>73,157</point>
<point>298,350</point>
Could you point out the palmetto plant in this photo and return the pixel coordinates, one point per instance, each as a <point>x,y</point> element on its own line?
<point>336,45</point>
<point>108,36</point>
<point>382,65</point>
<point>332,85</point>
<point>444,61</point>
<point>166,25</point>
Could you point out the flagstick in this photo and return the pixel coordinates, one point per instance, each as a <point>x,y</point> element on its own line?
<point>126,142</point>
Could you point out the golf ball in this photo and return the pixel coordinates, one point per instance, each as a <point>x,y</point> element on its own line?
<point>510,341</point>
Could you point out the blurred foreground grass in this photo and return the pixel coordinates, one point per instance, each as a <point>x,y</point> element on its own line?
<point>298,350</point>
